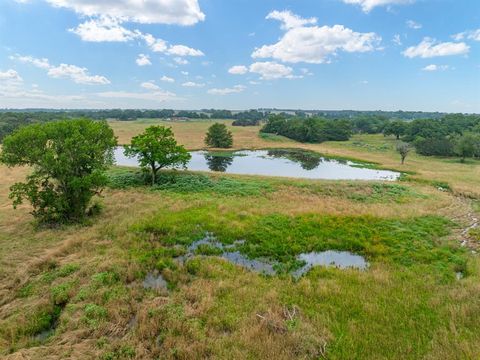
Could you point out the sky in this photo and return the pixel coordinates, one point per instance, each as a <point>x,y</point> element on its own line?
<point>421,55</point>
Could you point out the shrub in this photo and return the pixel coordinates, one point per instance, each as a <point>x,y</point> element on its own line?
<point>69,159</point>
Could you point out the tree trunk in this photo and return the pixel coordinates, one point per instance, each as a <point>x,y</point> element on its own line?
<point>154,174</point>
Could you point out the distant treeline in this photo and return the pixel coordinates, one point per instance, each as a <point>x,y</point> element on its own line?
<point>250,117</point>
<point>454,134</point>
<point>350,114</point>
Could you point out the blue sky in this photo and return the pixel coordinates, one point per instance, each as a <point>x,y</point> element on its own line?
<point>240,54</point>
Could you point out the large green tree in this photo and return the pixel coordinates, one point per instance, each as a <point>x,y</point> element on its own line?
<point>68,160</point>
<point>157,148</point>
<point>218,136</point>
<point>397,128</point>
<point>466,145</point>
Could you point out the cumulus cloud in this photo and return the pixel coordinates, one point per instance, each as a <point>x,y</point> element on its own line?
<point>315,45</point>
<point>431,48</point>
<point>238,70</point>
<point>150,85</point>
<point>178,12</point>
<point>182,50</point>
<point>75,73</point>
<point>290,20</point>
<point>268,70</point>
<point>271,70</point>
<point>167,79</point>
<point>192,84</point>
<point>103,29</point>
<point>40,63</point>
<point>227,91</point>
<point>413,25</point>
<point>433,67</point>
<point>469,35</point>
<point>109,29</point>
<point>368,5</point>
<point>143,60</point>
<point>10,75</point>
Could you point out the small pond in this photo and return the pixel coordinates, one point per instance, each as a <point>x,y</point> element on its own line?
<point>293,163</point>
<point>329,258</point>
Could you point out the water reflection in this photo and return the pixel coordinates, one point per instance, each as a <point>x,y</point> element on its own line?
<point>295,163</point>
<point>218,163</point>
<point>307,160</point>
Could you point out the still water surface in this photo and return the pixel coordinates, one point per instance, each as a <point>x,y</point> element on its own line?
<point>286,163</point>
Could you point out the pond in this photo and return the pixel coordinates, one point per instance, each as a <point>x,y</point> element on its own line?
<point>294,163</point>
<point>209,245</point>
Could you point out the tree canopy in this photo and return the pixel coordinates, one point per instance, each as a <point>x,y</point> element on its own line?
<point>156,148</point>
<point>218,136</point>
<point>68,158</point>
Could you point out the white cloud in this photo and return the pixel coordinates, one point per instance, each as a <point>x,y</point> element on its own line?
<point>397,40</point>
<point>253,82</point>
<point>109,29</point>
<point>179,12</point>
<point>185,73</point>
<point>150,85</point>
<point>192,84</point>
<point>182,50</point>
<point>143,60</point>
<point>167,79</point>
<point>433,67</point>
<point>290,20</point>
<point>156,45</point>
<point>413,25</point>
<point>271,70</point>
<point>368,5</point>
<point>40,63</point>
<point>430,48</point>
<point>470,35</point>
<point>180,61</point>
<point>77,74</point>
<point>238,70</point>
<point>10,75</point>
<point>313,44</point>
<point>227,91</point>
<point>105,28</point>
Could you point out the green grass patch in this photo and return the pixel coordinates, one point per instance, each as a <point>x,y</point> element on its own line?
<point>187,183</point>
<point>404,242</point>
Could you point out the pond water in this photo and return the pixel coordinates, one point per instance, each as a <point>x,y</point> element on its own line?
<point>154,280</point>
<point>338,259</point>
<point>209,244</point>
<point>293,163</point>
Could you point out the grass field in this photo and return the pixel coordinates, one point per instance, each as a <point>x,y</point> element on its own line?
<point>76,292</point>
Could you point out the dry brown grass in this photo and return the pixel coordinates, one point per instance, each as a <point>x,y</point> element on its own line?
<point>215,312</point>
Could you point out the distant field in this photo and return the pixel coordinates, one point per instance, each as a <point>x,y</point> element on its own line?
<point>376,148</point>
<point>77,292</point>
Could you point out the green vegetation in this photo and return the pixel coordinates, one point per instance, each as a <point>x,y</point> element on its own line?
<point>68,158</point>
<point>403,149</point>
<point>78,291</point>
<point>218,136</point>
<point>311,130</point>
<point>157,148</point>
